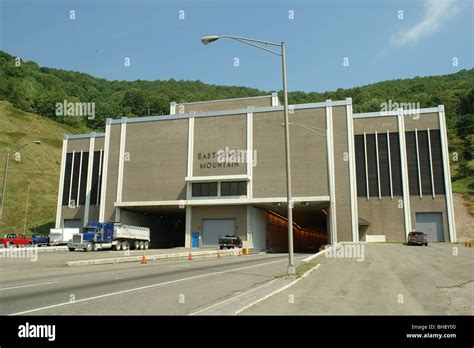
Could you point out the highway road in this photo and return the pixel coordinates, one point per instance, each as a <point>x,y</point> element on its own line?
<point>49,287</point>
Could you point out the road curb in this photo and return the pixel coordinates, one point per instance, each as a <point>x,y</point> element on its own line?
<point>293,282</point>
<point>156,257</point>
<point>312,257</point>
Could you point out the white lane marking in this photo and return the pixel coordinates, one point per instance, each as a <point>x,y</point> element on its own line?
<point>146,287</point>
<point>277,291</point>
<point>232,298</point>
<point>28,285</point>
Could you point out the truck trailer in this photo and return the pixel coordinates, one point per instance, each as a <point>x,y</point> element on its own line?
<point>61,236</point>
<point>110,235</point>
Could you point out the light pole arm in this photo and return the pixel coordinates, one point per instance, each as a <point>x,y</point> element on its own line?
<point>250,40</point>
<point>260,47</point>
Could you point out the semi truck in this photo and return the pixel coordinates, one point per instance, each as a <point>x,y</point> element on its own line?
<point>110,235</point>
<point>61,236</point>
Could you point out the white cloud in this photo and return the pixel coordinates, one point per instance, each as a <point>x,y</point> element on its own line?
<point>438,12</point>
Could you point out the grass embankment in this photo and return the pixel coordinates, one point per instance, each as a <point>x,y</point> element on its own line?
<point>38,169</point>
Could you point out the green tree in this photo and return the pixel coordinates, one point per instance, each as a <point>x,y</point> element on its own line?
<point>135,101</point>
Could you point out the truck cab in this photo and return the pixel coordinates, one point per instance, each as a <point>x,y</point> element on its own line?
<point>94,235</point>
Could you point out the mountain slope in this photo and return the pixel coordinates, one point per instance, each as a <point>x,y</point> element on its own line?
<point>37,167</point>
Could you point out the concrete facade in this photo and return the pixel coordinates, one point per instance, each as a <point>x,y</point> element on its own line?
<point>167,172</point>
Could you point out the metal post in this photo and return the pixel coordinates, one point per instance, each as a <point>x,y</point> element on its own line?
<point>4,184</point>
<point>255,43</point>
<point>291,267</point>
<point>26,209</point>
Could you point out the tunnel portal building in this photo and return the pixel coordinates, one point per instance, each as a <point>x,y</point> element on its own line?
<point>218,168</point>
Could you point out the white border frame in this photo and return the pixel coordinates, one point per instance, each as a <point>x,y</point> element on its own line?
<point>404,168</point>
<point>227,201</point>
<point>331,172</point>
<point>89,179</point>
<point>396,113</point>
<point>352,172</point>
<point>123,135</point>
<point>447,175</point>
<point>249,154</point>
<point>105,164</point>
<point>59,205</point>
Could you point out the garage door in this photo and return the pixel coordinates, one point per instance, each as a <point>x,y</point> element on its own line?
<point>213,228</point>
<point>72,223</point>
<point>432,225</point>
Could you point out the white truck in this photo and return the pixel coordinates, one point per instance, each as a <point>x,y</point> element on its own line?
<point>109,235</point>
<point>61,236</point>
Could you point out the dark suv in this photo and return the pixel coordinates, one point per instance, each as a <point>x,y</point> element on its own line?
<point>230,242</point>
<point>418,238</point>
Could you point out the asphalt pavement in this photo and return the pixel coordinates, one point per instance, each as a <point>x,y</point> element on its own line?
<point>49,287</point>
<point>393,279</point>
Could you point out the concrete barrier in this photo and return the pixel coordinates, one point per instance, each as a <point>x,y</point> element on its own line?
<point>155,257</point>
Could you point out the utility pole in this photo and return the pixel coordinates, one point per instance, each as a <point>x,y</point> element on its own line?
<point>26,209</point>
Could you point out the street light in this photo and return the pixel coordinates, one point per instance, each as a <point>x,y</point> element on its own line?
<point>6,172</point>
<point>258,44</point>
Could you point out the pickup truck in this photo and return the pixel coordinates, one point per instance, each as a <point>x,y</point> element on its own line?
<point>40,240</point>
<point>13,240</point>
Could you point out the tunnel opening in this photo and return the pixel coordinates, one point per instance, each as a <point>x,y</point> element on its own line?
<point>310,228</point>
<point>167,224</point>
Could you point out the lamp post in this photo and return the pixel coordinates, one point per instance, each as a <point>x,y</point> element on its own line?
<point>261,45</point>
<point>5,172</point>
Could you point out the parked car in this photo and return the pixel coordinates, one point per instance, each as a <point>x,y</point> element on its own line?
<point>230,242</point>
<point>417,238</point>
<point>13,240</point>
<point>40,240</point>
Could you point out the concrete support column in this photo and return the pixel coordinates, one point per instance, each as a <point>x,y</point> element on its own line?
<point>187,236</point>
<point>90,165</point>
<point>61,185</point>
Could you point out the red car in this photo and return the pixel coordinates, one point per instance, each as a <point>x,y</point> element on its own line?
<point>14,240</point>
<point>417,238</point>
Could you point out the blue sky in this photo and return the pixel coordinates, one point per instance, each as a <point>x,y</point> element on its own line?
<point>379,46</point>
